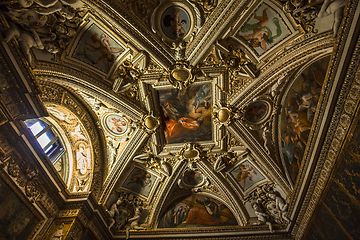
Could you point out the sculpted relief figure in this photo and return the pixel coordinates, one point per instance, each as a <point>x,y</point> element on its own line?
<point>30,39</point>
<point>83,159</point>
<point>114,210</point>
<point>43,24</point>
<point>281,205</point>
<point>263,218</point>
<point>335,7</point>
<point>133,223</point>
<point>47,7</point>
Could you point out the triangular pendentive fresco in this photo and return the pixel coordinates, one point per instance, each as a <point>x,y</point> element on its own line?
<point>98,47</point>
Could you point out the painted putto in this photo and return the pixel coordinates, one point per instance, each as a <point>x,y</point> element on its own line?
<point>263,30</point>
<point>246,175</point>
<point>98,49</point>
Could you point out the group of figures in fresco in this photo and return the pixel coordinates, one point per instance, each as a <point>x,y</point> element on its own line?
<point>298,114</point>
<point>187,113</point>
<point>195,211</point>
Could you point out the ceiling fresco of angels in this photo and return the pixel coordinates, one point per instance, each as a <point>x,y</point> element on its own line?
<point>205,111</point>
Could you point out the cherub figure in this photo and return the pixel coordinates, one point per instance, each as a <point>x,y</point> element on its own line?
<point>30,39</point>
<point>261,215</point>
<point>262,34</point>
<point>114,210</point>
<point>281,206</point>
<point>104,46</point>
<point>133,223</point>
<point>335,7</point>
<point>245,173</point>
<point>117,124</point>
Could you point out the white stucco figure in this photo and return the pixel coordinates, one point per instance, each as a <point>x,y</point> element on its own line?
<point>113,146</point>
<point>281,206</point>
<point>78,133</point>
<point>262,216</point>
<point>60,115</point>
<point>335,7</point>
<point>47,7</point>
<point>114,211</point>
<point>133,223</point>
<point>30,39</point>
<point>83,159</point>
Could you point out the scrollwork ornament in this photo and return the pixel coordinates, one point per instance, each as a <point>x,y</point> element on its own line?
<point>154,163</point>
<point>13,169</point>
<point>31,191</point>
<point>151,123</point>
<point>223,160</point>
<point>179,50</point>
<point>236,60</point>
<point>191,153</point>
<point>304,14</point>
<point>207,6</point>
<point>126,77</point>
<point>181,75</point>
<point>223,114</point>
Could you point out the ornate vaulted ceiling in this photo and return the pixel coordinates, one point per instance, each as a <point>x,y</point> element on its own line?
<point>201,117</point>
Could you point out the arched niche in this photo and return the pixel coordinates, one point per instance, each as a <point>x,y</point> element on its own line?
<point>196,210</point>
<point>78,145</point>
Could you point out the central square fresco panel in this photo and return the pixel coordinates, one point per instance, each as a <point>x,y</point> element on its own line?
<point>187,113</point>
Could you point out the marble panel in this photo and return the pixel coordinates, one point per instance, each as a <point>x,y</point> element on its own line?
<point>348,174</point>
<point>328,226</point>
<point>344,210</point>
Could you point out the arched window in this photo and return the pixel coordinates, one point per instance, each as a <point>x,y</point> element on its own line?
<point>48,140</point>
